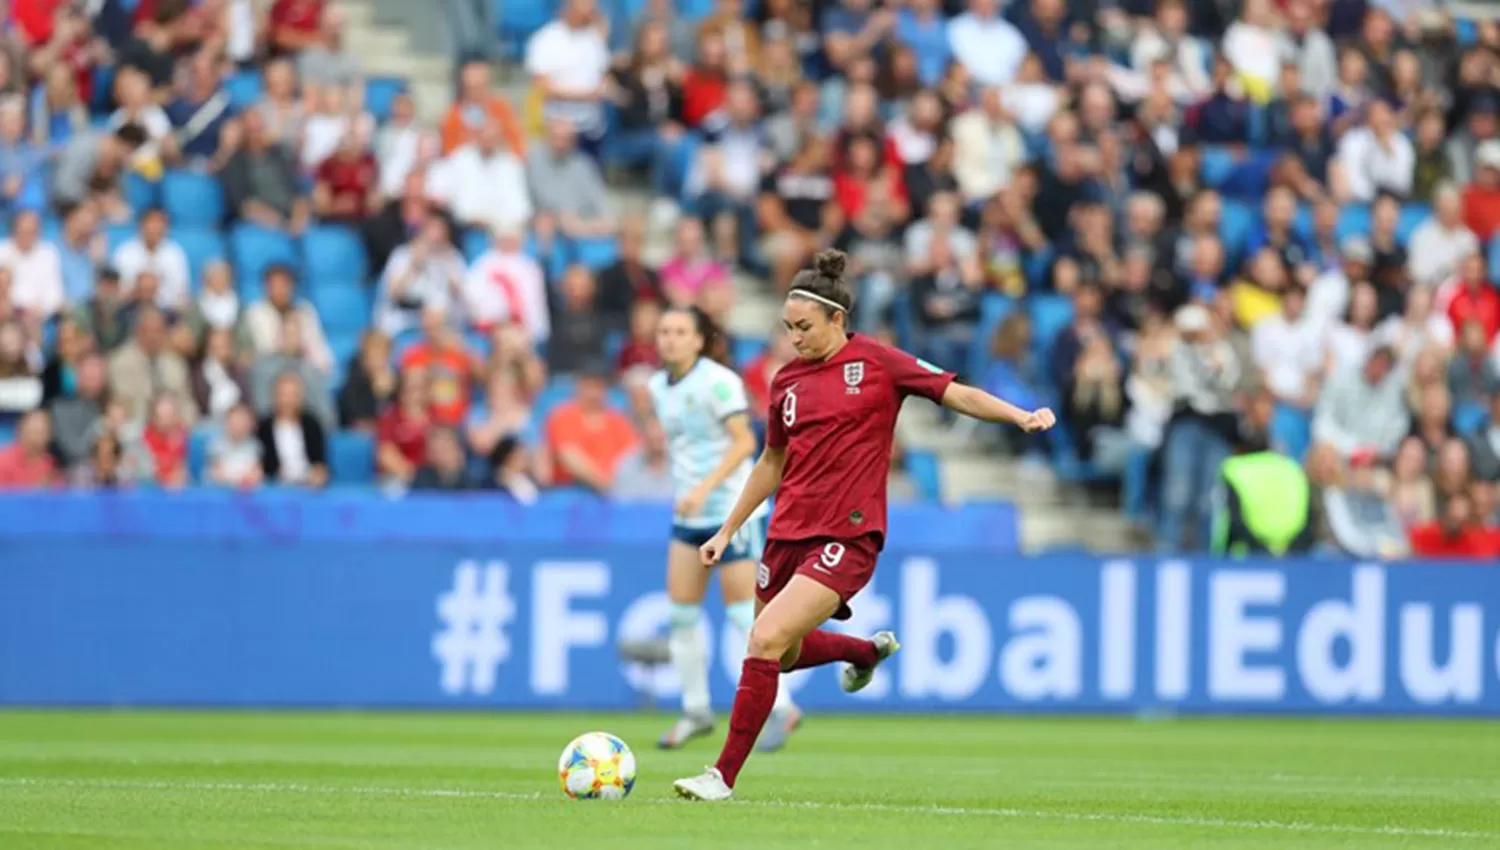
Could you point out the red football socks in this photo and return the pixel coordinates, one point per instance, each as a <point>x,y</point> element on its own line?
<point>824,647</point>
<point>759,678</point>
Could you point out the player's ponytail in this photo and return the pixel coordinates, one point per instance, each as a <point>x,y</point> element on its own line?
<point>715,339</point>
<point>824,283</point>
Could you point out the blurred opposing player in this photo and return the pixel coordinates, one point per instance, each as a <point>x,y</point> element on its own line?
<point>702,407</point>
<point>833,418</point>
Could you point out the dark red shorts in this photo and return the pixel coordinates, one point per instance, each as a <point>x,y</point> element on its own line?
<point>841,565</point>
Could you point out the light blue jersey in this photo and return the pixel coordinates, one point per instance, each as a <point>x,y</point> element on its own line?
<point>692,411</point>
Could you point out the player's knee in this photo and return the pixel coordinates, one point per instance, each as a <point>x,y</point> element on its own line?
<point>684,616</point>
<point>769,641</point>
<point>741,614</point>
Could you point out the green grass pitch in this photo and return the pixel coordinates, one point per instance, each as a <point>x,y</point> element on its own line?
<point>331,780</point>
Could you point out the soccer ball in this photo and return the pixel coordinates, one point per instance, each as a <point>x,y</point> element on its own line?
<point>596,766</point>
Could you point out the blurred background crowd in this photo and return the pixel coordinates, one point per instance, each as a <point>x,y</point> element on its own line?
<point>233,258</point>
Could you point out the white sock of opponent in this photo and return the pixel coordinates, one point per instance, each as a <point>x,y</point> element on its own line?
<point>742,615</point>
<point>689,657</point>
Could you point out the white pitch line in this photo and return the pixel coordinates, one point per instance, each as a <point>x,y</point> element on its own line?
<point>947,811</point>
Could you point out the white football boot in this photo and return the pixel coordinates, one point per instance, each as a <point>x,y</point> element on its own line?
<point>708,787</point>
<point>853,678</point>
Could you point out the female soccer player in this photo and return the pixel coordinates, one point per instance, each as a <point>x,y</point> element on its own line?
<point>701,406</point>
<point>833,416</point>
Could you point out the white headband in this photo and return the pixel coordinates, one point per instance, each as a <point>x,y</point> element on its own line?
<point>813,296</point>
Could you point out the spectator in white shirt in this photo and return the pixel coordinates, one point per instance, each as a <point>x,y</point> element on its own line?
<point>987,45</point>
<point>398,145</point>
<point>1250,45</point>
<point>986,148</point>
<point>153,250</point>
<point>425,273</point>
<point>1166,39</point>
<point>326,128</point>
<point>264,320</point>
<point>484,183</point>
<point>133,93</point>
<point>507,285</point>
<point>568,60</point>
<point>1441,242</point>
<point>1377,157</point>
<point>36,287</point>
<point>1289,348</point>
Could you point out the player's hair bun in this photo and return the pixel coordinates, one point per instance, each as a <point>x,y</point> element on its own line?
<point>830,263</point>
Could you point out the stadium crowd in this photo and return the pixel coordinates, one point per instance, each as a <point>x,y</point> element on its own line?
<point>234,259</point>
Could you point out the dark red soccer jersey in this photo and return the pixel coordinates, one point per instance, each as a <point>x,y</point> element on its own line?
<point>836,419</point>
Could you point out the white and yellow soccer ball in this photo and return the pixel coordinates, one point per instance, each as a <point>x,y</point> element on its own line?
<point>596,766</point>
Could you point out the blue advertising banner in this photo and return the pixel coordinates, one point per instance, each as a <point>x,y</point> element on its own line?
<point>229,620</point>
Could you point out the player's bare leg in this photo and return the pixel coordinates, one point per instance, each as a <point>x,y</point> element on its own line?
<point>687,582</point>
<point>775,640</point>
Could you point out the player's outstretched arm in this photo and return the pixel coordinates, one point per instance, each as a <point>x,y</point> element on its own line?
<point>972,401</point>
<point>741,447</point>
<point>765,477</point>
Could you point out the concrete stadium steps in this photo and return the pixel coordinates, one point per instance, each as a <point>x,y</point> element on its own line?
<point>385,48</point>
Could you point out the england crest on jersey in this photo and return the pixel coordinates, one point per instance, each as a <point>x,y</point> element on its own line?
<point>854,374</point>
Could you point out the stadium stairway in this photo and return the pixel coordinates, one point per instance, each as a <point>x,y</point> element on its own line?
<point>386,47</point>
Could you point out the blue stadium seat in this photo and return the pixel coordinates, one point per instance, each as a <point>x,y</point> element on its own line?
<point>102,101</point>
<point>481,345</point>
<point>1302,223</point>
<point>595,253</point>
<point>253,249</point>
<point>557,391</point>
<point>333,253</point>
<point>191,198</point>
<point>1412,216</point>
<point>1039,267</point>
<point>116,235</point>
<point>1470,418</point>
<point>517,21</point>
<point>992,311</point>
<point>351,458</point>
<point>1049,315</point>
<point>202,246</point>
<point>7,431</point>
<point>198,443</point>
<point>1354,220</point>
<point>342,306</point>
<point>244,89</point>
<point>1234,229</point>
<point>344,343</point>
<point>1291,431</point>
<point>1216,163</point>
<point>926,474</point>
<point>380,95</point>
<point>614,343</point>
<point>140,193</point>
<point>744,349</point>
<point>476,242</point>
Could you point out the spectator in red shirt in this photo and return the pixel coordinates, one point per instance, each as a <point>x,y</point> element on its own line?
<point>760,371</point>
<point>401,433</point>
<point>586,438</point>
<point>448,365</point>
<point>164,444</point>
<point>36,20</point>
<point>1457,534</point>
<point>1482,197</point>
<point>26,463</point>
<point>706,84</point>
<point>640,346</point>
<point>1475,300</point>
<point>296,25</point>
<point>348,184</point>
<point>865,180</point>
